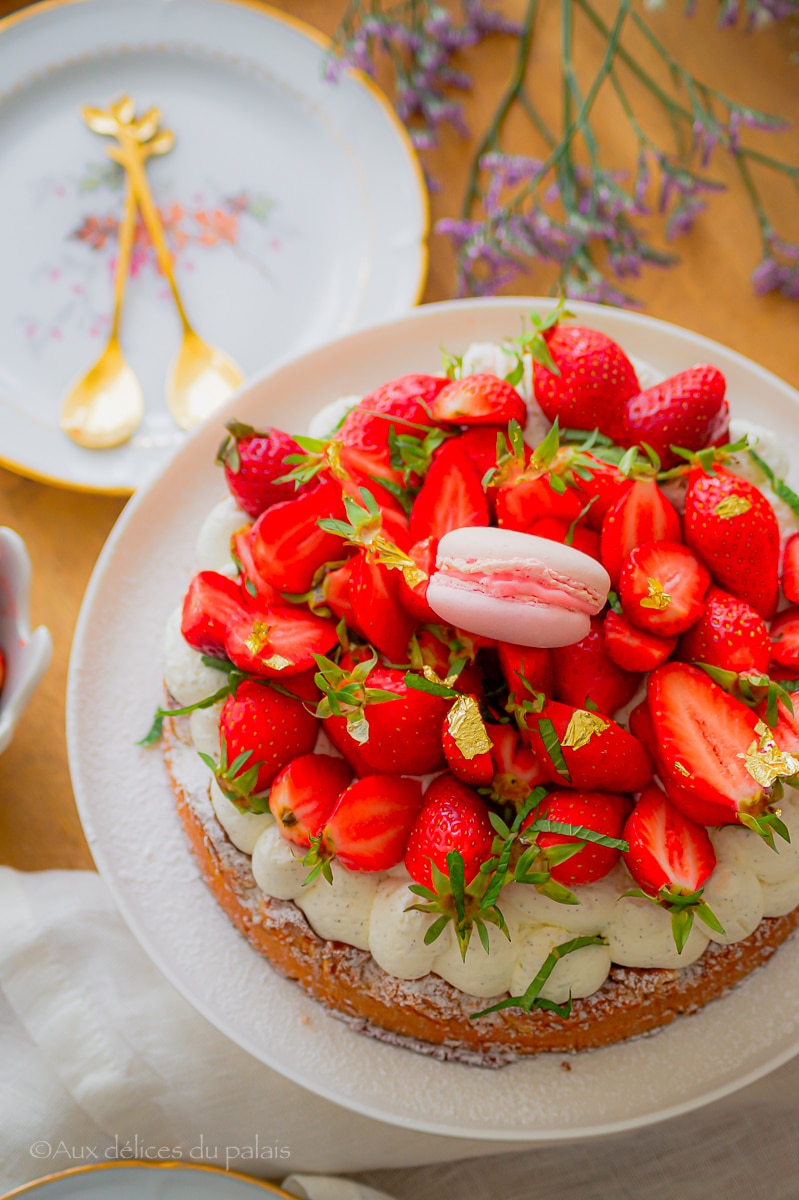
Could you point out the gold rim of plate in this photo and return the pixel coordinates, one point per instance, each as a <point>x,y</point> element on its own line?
<point>271,1189</point>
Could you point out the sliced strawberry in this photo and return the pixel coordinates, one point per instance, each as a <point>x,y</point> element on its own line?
<point>336,592</point>
<point>527,669</point>
<point>685,410</point>
<point>274,642</point>
<point>785,639</point>
<point>374,595</point>
<point>603,488</point>
<point>253,584</point>
<point>403,735</point>
<point>533,499</point>
<point>304,794</point>
<point>479,400</point>
<point>479,444</point>
<point>579,536</point>
<point>586,751</point>
<point>703,736</point>
<point>631,648</point>
<point>602,813</point>
<point>790,569</point>
<point>667,849</point>
<point>640,725</point>
<point>594,381</point>
<point>729,634</point>
<point>211,602</point>
<point>254,463</point>
<point>414,598</point>
<point>270,729</point>
<point>287,543</point>
<point>517,770</point>
<point>467,743</point>
<point>662,588</point>
<point>451,496</point>
<point>452,818</point>
<point>732,528</point>
<point>585,676</point>
<point>643,514</point>
<point>369,827</point>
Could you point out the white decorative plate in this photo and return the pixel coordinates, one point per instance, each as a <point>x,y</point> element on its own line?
<point>147,1181</point>
<point>127,808</point>
<point>295,209</point>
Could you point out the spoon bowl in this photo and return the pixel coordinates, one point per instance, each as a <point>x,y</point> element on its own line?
<point>106,406</point>
<point>201,380</point>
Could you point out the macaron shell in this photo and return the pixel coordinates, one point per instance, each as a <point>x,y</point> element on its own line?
<point>523,622</point>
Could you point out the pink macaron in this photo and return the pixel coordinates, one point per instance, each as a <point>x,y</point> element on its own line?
<point>515,587</point>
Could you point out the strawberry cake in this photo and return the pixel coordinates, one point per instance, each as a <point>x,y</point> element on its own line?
<point>471,847</point>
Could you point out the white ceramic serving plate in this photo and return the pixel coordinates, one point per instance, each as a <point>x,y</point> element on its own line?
<point>127,809</point>
<point>295,207</point>
<point>27,654</point>
<point>146,1181</point>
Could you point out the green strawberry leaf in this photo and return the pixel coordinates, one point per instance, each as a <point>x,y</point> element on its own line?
<point>530,999</point>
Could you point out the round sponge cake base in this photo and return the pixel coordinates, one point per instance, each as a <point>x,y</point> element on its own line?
<point>429,1015</point>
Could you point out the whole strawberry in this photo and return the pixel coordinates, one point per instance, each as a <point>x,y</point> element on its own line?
<point>732,528</point>
<point>260,730</point>
<point>581,749</point>
<point>254,462</point>
<point>729,634</point>
<point>595,381</point>
<point>304,794</point>
<point>369,826</point>
<point>687,410</point>
<point>453,817</point>
<point>602,813</point>
<point>586,675</point>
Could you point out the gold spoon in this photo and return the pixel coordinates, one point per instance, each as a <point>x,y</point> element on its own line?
<point>202,377</point>
<point>106,406</point>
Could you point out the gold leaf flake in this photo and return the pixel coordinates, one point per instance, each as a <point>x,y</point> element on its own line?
<point>732,506</point>
<point>258,638</point>
<point>277,662</point>
<point>582,727</point>
<point>657,598</point>
<point>764,760</point>
<point>333,457</point>
<point>466,726</point>
<point>682,770</point>
<point>392,557</point>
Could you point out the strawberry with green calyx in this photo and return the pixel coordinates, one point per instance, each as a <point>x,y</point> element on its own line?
<point>211,602</point>
<point>688,410</point>
<point>402,404</point>
<point>289,545</point>
<point>591,821</point>
<point>643,514</point>
<point>594,380</point>
<point>451,496</point>
<point>732,528</point>
<point>527,670</point>
<point>254,469</point>
<point>662,587</point>
<point>544,487</point>
<point>479,400</point>
<point>572,533</point>
<point>450,654</point>
<point>412,450</point>
<point>631,648</point>
<point>671,858</point>
<point>784,636</point>
<point>517,770</point>
<point>380,723</point>
<point>729,635</point>
<point>717,760</point>
<point>304,794</point>
<point>261,729</point>
<point>532,997</point>
<point>368,828</point>
<point>277,641</point>
<point>586,676</point>
<point>375,531</point>
<point>580,749</point>
<point>449,858</point>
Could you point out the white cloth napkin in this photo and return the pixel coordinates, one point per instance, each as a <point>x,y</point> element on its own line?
<point>99,1056</point>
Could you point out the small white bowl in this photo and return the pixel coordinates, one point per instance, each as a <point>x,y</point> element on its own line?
<point>27,654</point>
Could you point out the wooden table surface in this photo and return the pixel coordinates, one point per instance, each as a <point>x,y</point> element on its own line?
<point>709,292</point>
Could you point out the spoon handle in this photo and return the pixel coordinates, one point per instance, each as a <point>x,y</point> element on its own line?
<point>132,155</point>
<point>127,230</point>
